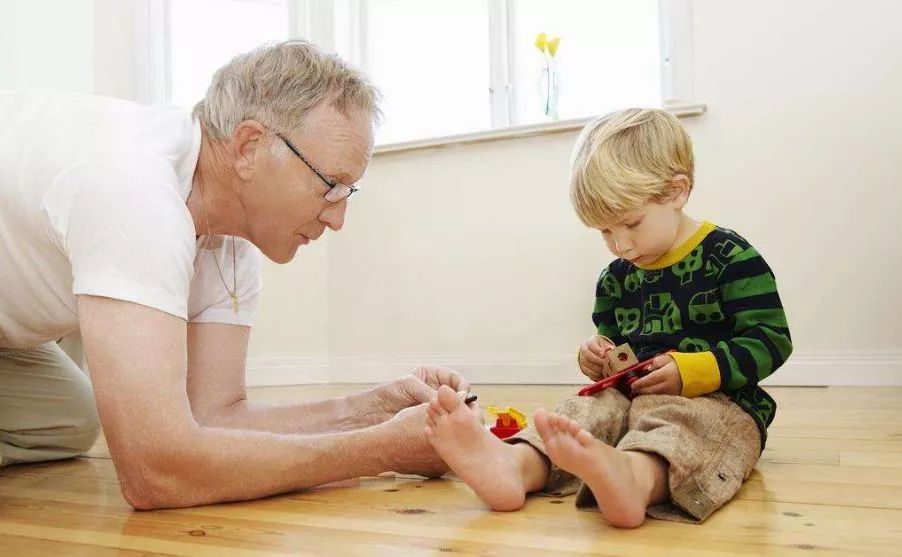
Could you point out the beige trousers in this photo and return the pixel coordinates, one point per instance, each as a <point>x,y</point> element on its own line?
<point>47,407</point>
<point>709,442</point>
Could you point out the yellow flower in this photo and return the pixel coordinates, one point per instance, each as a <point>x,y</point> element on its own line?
<point>552,46</point>
<point>541,41</point>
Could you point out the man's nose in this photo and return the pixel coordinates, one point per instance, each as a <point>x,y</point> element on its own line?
<point>333,215</point>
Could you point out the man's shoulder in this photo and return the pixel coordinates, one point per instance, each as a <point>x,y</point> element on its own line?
<point>127,178</point>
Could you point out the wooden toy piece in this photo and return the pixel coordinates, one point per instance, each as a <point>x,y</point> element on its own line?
<point>508,421</point>
<point>620,358</point>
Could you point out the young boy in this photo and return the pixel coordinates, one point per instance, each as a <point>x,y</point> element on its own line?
<point>681,448</point>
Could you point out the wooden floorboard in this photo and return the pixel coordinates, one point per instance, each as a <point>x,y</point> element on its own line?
<point>829,483</point>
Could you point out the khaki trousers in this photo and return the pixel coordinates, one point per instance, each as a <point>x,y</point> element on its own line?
<point>47,409</point>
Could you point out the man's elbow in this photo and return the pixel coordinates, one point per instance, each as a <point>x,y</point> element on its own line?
<point>142,499</point>
<point>159,478</point>
<point>148,486</point>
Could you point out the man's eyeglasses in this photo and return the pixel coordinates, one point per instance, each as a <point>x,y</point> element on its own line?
<point>337,190</point>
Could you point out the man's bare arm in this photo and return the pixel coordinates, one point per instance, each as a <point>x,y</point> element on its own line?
<point>217,355</point>
<point>165,458</point>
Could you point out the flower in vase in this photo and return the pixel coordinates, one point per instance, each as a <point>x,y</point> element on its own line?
<point>547,46</point>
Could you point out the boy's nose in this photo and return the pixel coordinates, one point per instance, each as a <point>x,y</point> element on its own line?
<point>621,245</point>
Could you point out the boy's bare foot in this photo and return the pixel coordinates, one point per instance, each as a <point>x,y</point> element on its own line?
<point>488,465</point>
<point>622,481</point>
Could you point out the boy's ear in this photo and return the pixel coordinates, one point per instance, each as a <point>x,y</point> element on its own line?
<point>680,187</point>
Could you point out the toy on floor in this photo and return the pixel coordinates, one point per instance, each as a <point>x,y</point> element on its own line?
<point>621,370</point>
<point>508,421</point>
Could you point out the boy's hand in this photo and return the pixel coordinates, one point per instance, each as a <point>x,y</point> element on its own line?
<point>664,378</point>
<point>592,356</point>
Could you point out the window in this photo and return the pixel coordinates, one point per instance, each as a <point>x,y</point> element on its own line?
<point>185,45</point>
<point>608,56</point>
<point>200,44</point>
<point>448,67</point>
<point>430,61</point>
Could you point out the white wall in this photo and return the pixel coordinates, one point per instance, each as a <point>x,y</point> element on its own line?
<point>471,255</point>
<point>73,45</point>
<point>114,48</point>
<point>805,128</point>
<point>39,51</point>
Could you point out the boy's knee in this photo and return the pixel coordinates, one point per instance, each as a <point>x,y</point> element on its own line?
<point>609,402</point>
<point>604,415</point>
<point>575,406</point>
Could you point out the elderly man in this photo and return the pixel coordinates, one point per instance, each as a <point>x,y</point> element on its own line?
<point>141,226</point>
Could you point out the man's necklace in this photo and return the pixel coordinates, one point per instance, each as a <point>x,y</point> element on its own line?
<point>233,293</point>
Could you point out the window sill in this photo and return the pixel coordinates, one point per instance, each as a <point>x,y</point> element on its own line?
<point>680,109</point>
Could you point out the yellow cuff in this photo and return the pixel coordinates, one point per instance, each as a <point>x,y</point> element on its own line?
<point>699,372</point>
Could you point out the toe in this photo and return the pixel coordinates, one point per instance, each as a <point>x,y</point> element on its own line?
<point>584,437</point>
<point>436,407</point>
<point>556,421</point>
<point>573,427</point>
<point>448,399</point>
<point>543,427</point>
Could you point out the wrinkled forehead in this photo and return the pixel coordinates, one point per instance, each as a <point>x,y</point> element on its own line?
<point>340,145</point>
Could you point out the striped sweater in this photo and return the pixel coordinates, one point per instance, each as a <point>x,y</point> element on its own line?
<point>714,301</point>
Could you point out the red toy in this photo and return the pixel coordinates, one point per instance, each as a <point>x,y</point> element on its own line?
<point>623,380</point>
<point>508,421</point>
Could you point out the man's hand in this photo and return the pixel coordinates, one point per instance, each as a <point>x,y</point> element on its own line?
<point>664,378</point>
<point>436,376</point>
<point>592,356</point>
<point>410,451</point>
<point>410,390</point>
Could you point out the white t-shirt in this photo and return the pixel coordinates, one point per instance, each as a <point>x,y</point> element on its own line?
<point>92,201</point>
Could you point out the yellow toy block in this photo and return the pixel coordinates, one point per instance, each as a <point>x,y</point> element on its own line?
<point>507,416</point>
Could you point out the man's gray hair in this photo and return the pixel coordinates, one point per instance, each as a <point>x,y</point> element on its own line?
<point>278,84</point>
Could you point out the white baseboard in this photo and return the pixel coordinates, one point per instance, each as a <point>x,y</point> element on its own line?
<point>876,368</point>
<point>278,371</point>
<point>846,368</point>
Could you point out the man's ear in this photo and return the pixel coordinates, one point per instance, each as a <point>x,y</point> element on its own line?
<point>247,139</point>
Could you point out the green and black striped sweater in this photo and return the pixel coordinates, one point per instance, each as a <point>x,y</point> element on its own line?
<point>714,301</point>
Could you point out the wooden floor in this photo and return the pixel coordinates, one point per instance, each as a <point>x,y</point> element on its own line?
<point>829,483</point>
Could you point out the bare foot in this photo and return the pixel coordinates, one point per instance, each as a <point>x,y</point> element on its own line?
<point>489,466</point>
<point>618,480</point>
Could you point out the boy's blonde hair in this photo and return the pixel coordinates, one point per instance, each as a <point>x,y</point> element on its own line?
<point>624,160</point>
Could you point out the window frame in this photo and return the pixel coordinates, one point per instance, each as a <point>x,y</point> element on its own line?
<point>339,26</point>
